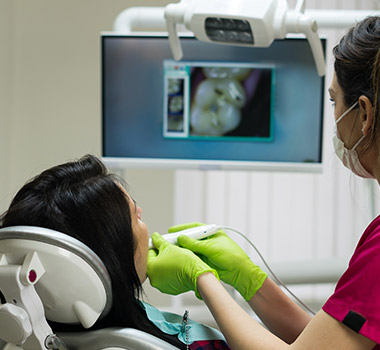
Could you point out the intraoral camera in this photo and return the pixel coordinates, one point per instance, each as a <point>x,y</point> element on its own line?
<point>198,232</point>
<point>245,23</point>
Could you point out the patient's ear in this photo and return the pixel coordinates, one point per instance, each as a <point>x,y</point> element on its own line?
<point>366,114</point>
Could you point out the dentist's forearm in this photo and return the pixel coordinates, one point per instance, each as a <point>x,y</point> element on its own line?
<point>241,331</point>
<point>279,313</point>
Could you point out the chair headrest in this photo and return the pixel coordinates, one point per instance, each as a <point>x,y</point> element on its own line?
<point>76,287</point>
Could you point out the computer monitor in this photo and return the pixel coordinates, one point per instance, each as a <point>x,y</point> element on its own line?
<point>220,107</point>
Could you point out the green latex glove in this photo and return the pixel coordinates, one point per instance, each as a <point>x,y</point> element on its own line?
<point>174,270</point>
<point>227,258</point>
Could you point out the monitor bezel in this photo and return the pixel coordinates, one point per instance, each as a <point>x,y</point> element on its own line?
<point>200,164</point>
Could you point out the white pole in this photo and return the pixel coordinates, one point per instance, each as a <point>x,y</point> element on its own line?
<point>336,19</point>
<point>139,17</point>
<point>153,17</point>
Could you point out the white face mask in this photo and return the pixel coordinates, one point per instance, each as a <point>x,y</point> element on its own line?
<point>349,157</point>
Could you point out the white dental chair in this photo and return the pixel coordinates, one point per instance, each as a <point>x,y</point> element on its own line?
<point>47,275</point>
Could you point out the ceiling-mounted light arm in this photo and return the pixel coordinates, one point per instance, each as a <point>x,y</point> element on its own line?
<point>309,27</point>
<point>132,18</point>
<point>174,14</point>
<point>244,23</point>
<point>266,20</point>
<point>297,22</point>
<point>300,6</point>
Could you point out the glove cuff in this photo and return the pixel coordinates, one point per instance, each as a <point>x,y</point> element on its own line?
<point>200,273</point>
<point>250,281</point>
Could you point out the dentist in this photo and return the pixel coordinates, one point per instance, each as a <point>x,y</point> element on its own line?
<point>350,319</point>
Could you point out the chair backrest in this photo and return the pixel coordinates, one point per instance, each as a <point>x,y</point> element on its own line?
<point>76,287</point>
<point>48,275</point>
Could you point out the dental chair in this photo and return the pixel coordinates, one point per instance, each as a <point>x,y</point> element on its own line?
<point>47,275</point>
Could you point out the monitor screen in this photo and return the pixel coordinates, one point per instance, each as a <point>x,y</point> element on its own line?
<point>220,107</point>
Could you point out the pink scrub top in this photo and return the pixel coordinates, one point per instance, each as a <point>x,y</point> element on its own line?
<point>356,300</point>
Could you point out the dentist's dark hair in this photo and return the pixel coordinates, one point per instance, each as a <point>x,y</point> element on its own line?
<point>83,200</point>
<point>357,67</point>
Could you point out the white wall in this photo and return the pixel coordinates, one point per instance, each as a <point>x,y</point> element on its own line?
<point>5,92</point>
<point>50,94</point>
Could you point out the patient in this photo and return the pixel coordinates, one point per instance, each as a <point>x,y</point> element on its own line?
<point>83,200</point>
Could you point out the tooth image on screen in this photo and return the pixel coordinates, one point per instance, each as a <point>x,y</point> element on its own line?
<point>176,104</point>
<point>174,86</point>
<point>216,107</point>
<point>237,73</point>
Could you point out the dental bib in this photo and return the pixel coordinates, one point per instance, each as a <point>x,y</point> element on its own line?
<point>173,324</point>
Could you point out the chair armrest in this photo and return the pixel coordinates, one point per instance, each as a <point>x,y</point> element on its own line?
<point>123,338</point>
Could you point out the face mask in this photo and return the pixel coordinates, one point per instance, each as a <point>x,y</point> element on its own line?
<point>349,157</point>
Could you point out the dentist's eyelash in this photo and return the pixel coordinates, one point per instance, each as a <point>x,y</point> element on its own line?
<point>332,102</point>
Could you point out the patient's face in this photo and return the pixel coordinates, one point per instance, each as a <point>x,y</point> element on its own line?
<point>140,232</point>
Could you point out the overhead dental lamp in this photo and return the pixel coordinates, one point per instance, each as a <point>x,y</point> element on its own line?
<point>242,22</point>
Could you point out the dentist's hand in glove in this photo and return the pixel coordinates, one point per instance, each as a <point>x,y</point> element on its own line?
<point>227,258</point>
<point>174,270</point>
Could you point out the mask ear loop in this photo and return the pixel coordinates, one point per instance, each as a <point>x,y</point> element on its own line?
<point>341,117</point>
<point>357,143</point>
<point>362,137</point>
<point>346,112</point>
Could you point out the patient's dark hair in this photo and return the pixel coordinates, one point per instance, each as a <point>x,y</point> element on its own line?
<point>83,200</point>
